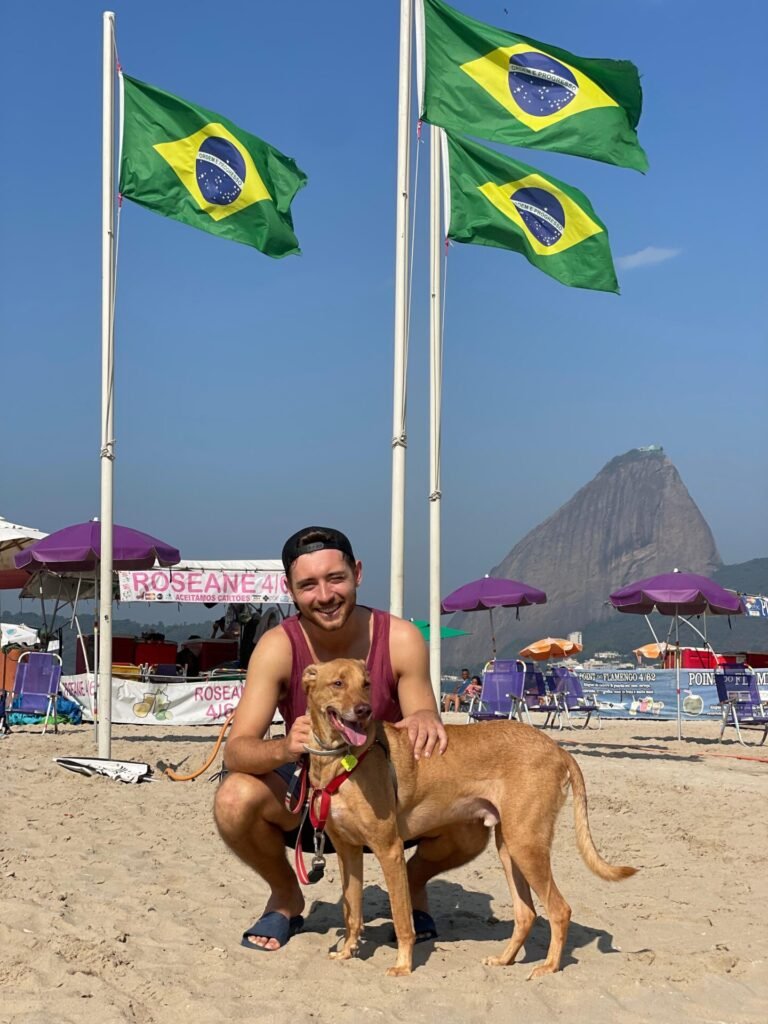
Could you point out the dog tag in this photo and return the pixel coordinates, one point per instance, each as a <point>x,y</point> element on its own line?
<point>348,762</point>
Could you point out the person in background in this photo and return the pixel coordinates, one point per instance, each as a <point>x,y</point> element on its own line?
<point>452,701</point>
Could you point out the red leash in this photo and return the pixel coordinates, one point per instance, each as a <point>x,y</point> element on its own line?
<point>317,816</point>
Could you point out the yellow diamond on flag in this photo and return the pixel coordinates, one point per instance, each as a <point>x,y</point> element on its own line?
<point>534,87</point>
<point>216,169</point>
<point>549,219</point>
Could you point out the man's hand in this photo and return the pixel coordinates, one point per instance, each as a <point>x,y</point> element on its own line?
<point>298,737</point>
<point>425,731</point>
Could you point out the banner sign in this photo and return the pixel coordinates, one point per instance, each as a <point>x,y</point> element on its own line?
<point>204,585</point>
<point>198,702</point>
<point>755,606</point>
<point>652,693</point>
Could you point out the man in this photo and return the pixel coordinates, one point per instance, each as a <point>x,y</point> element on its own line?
<point>323,576</point>
<point>452,701</point>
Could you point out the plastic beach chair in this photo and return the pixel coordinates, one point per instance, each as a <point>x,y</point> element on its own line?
<point>572,701</point>
<point>502,693</point>
<point>740,702</point>
<point>540,698</point>
<point>36,685</point>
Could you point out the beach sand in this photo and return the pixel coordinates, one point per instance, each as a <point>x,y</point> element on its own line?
<point>119,903</point>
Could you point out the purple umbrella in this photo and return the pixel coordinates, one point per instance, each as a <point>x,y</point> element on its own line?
<point>78,549</point>
<point>492,592</point>
<point>677,594</point>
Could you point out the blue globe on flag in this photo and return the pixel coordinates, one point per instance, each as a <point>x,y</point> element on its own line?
<point>220,171</point>
<point>539,84</point>
<point>542,214</point>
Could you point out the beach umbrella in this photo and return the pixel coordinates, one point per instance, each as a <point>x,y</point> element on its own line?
<point>651,651</point>
<point>445,631</point>
<point>78,549</point>
<point>677,594</point>
<point>492,592</point>
<point>13,539</point>
<point>551,647</point>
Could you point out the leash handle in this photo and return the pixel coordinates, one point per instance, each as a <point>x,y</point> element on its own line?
<point>298,854</point>
<point>293,804</point>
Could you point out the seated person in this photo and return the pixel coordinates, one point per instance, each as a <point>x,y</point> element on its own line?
<point>462,694</point>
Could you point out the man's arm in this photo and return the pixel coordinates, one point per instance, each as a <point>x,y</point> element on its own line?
<point>410,663</point>
<point>268,671</point>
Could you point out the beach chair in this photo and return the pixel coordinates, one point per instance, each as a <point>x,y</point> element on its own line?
<point>572,701</point>
<point>163,672</point>
<point>36,685</point>
<point>539,695</point>
<point>502,695</point>
<point>740,702</point>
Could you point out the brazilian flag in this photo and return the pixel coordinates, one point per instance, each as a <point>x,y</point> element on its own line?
<point>509,88</point>
<point>195,166</point>
<point>494,200</point>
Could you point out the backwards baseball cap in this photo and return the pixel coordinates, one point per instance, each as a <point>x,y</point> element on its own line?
<point>314,538</point>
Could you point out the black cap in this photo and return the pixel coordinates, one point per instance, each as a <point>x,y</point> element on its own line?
<point>314,538</point>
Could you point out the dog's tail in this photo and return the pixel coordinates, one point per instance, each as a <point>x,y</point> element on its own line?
<point>584,840</point>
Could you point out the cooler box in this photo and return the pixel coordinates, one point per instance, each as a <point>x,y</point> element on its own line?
<point>151,652</point>
<point>212,653</point>
<point>123,651</point>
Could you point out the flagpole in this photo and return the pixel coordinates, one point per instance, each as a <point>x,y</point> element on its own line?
<point>399,435</point>
<point>104,685</point>
<point>435,407</point>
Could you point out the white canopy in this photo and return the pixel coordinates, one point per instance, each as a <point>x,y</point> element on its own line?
<point>234,565</point>
<point>14,538</point>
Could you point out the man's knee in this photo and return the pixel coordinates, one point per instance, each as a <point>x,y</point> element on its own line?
<point>238,799</point>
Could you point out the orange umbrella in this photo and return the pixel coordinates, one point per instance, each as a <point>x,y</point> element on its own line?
<point>652,651</point>
<point>550,647</point>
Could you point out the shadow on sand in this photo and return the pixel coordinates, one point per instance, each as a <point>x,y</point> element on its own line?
<point>461,916</point>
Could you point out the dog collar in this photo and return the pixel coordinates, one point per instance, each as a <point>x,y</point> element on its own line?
<point>318,815</point>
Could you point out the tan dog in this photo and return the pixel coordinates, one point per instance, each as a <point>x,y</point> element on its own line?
<point>503,774</point>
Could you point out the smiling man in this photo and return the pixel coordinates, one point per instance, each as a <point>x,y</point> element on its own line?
<point>323,577</point>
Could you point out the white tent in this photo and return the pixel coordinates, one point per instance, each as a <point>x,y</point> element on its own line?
<point>14,538</point>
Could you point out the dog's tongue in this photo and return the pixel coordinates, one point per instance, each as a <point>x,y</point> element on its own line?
<point>351,732</point>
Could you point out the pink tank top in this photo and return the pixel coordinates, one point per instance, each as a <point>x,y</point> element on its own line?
<point>386,707</point>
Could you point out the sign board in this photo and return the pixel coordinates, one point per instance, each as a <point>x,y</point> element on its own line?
<point>205,585</point>
<point>135,702</point>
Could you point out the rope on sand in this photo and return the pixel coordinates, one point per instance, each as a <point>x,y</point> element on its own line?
<point>175,777</point>
<point>737,757</point>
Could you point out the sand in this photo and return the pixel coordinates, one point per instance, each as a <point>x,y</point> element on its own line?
<point>120,904</point>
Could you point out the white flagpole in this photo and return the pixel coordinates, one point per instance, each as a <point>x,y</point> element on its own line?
<point>104,687</point>
<point>399,435</point>
<point>435,407</point>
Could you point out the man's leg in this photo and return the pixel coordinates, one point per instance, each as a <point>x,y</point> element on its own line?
<point>252,819</point>
<point>435,854</point>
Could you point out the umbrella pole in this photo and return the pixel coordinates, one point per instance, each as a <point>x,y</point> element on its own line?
<point>493,635</point>
<point>677,677</point>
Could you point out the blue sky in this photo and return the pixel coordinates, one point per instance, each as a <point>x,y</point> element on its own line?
<point>254,396</point>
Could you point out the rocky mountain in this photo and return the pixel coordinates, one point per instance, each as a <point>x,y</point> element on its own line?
<point>634,519</point>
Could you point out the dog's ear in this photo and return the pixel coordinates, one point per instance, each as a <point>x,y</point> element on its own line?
<point>309,677</point>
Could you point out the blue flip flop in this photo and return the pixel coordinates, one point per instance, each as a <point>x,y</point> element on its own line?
<point>272,926</point>
<point>424,926</point>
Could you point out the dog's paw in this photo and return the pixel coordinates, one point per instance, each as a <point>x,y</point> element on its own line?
<point>539,972</point>
<point>495,961</point>
<point>397,972</point>
<point>343,954</point>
